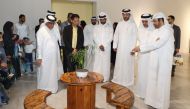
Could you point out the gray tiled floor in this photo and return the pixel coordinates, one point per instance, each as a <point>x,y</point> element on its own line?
<point>180,92</point>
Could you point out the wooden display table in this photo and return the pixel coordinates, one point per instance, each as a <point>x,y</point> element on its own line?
<point>81,91</point>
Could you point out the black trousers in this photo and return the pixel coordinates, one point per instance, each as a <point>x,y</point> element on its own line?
<point>174,66</point>
<point>64,60</point>
<point>16,65</point>
<point>113,54</point>
<point>68,65</point>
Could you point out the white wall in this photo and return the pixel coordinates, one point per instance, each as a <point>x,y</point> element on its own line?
<point>33,9</point>
<point>179,8</point>
<point>63,7</point>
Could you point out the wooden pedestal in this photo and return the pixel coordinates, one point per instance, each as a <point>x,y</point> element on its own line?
<point>81,96</point>
<point>81,92</point>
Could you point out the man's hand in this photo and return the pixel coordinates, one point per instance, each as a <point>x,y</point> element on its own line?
<point>115,49</point>
<point>136,49</point>
<point>157,39</point>
<point>87,47</point>
<point>39,62</point>
<point>21,54</point>
<point>34,50</point>
<point>3,65</point>
<point>177,50</point>
<point>14,37</point>
<point>74,51</point>
<point>9,57</point>
<point>101,48</point>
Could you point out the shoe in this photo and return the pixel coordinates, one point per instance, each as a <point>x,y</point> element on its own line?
<point>32,72</point>
<point>11,75</point>
<point>173,73</point>
<point>4,102</point>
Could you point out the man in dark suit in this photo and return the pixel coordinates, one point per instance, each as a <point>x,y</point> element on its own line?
<point>177,36</point>
<point>41,20</point>
<point>73,38</point>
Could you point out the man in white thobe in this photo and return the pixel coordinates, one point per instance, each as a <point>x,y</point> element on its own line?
<point>103,34</point>
<point>161,58</point>
<point>48,55</point>
<point>145,29</point>
<point>89,43</point>
<point>125,38</point>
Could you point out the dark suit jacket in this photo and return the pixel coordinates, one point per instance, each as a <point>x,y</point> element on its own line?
<point>177,36</point>
<point>67,37</point>
<point>37,28</point>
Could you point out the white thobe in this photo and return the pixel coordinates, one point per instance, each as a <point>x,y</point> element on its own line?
<point>144,36</point>
<point>51,68</point>
<point>161,57</point>
<point>22,30</point>
<point>125,38</point>
<point>89,43</point>
<point>103,35</point>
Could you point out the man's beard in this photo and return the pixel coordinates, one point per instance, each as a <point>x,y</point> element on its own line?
<point>103,23</point>
<point>93,23</point>
<point>156,26</point>
<point>126,19</point>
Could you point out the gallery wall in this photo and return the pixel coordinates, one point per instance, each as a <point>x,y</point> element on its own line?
<point>33,9</point>
<point>63,7</point>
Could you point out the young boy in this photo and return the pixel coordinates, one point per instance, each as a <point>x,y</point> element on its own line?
<point>28,49</point>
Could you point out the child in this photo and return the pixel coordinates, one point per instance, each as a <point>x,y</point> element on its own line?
<point>28,50</point>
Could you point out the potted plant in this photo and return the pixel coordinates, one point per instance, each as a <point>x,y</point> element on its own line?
<point>77,59</point>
